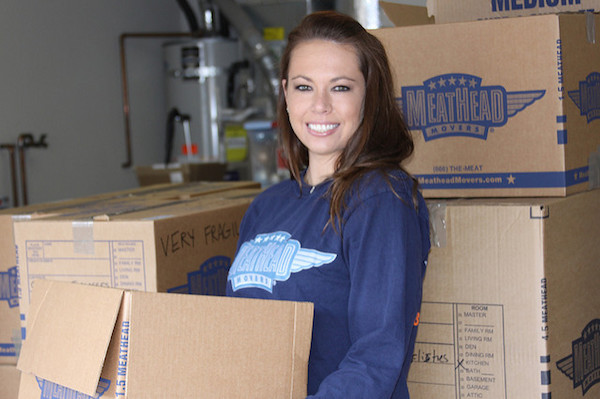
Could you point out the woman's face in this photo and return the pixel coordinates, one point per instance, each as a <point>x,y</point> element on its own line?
<point>324,93</point>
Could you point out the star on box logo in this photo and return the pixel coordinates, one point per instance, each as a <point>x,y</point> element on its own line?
<point>583,364</point>
<point>457,104</point>
<point>587,98</point>
<point>272,257</point>
<point>9,290</point>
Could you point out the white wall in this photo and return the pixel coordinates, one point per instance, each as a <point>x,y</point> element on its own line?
<point>60,75</point>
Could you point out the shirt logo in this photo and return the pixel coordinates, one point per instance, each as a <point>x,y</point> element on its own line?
<point>9,288</point>
<point>272,257</point>
<point>50,390</point>
<point>456,104</point>
<point>587,98</point>
<point>583,364</point>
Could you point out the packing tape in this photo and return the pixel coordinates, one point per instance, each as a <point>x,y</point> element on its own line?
<point>437,222</point>
<point>590,24</point>
<point>83,237</point>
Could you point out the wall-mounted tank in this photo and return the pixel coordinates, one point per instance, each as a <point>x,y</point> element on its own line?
<point>196,86</point>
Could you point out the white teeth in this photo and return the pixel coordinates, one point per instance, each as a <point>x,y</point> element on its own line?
<point>322,127</point>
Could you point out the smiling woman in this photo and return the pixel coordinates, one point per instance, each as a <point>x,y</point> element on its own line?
<point>350,230</point>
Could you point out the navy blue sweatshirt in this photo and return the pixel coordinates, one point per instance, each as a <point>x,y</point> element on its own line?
<point>365,280</point>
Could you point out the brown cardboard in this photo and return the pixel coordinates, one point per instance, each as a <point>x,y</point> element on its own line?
<point>406,15</point>
<point>163,345</point>
<point>183,246</point>
<point>179,173</point>
<point>501,108</point>
<point>9,381</point>
<point>470,10</point>
<point>511,306</point>
<point>105,205</point>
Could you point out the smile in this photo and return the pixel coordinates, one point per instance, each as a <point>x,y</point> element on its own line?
<point>322,127</point>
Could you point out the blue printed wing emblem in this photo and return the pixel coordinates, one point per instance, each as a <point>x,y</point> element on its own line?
<point>517,101</point>
<point>566,366</point>
<point>50,390</point>
<point>576,97</point>
<point>308,258</point>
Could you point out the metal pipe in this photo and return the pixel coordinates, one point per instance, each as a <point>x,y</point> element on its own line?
<point>248,33</point>
<point>24,140</point>
<point>13,171</point>
<point>125,92</point>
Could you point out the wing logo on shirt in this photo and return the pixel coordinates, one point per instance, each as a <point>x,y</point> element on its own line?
<point>272,257</point>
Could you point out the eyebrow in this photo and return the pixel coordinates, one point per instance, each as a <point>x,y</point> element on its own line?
<point>336,79</point>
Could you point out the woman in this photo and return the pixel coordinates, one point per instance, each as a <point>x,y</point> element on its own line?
<point>349,232</point>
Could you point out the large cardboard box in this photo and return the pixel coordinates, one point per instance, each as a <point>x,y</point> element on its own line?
<point>180,245</point>
<point>117,202</point>
<point>470,10</point>
<point>112,343</point>
<point>9,381</point>
<point>511,305</point>
<point>501,108</point>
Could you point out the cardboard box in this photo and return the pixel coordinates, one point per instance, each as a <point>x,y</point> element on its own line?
<point>162,345</point>
<point>9,381</point>
<point>107,204</point>
<point>179,245</point>
<point>500,108</point>
<point>511,306</point>
<point>470,10</point>
<point>180,173</point>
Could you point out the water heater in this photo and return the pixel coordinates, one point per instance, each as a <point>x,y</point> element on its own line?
<point>197,75</point>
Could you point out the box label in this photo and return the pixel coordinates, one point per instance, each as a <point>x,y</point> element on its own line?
<point>511,5</point>
<point>587,97</point>
<point>458,104</point>
<point>112,263</point>
<point>582,366</point>
<point>9,291</point>
<point>50,390</point>
<point>464,343</point>
<point>209,279</point>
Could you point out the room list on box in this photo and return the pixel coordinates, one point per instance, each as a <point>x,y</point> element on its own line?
<point>460,348</point>
<point>109,263</point>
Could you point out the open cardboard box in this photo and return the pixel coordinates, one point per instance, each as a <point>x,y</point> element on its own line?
<point>114,343</point>
<point>501,108</point>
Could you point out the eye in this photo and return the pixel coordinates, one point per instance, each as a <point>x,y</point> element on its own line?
<point>341,88</point>
<point>302,87</point>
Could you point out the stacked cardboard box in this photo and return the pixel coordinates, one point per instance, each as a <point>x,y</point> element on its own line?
<point>501,108</point>
<point>506,109</point>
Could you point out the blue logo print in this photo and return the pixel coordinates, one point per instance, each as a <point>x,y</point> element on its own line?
<point>457,104</point>
<point>583,364</point>
<point>51,390</point>
<point>9,288</point>
<point>587,98</point>
<point>272,257</point>
<point>209,279</point>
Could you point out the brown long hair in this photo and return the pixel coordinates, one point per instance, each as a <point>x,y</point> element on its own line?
<point>382,141</point>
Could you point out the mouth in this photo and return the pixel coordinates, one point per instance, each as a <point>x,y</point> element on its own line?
<point>322,129</point>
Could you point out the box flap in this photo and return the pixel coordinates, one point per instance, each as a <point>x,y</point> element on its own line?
<point>406,15</point>
<point>68,332</point>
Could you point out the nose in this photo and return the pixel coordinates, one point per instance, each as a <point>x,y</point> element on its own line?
<point>322,101</point>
